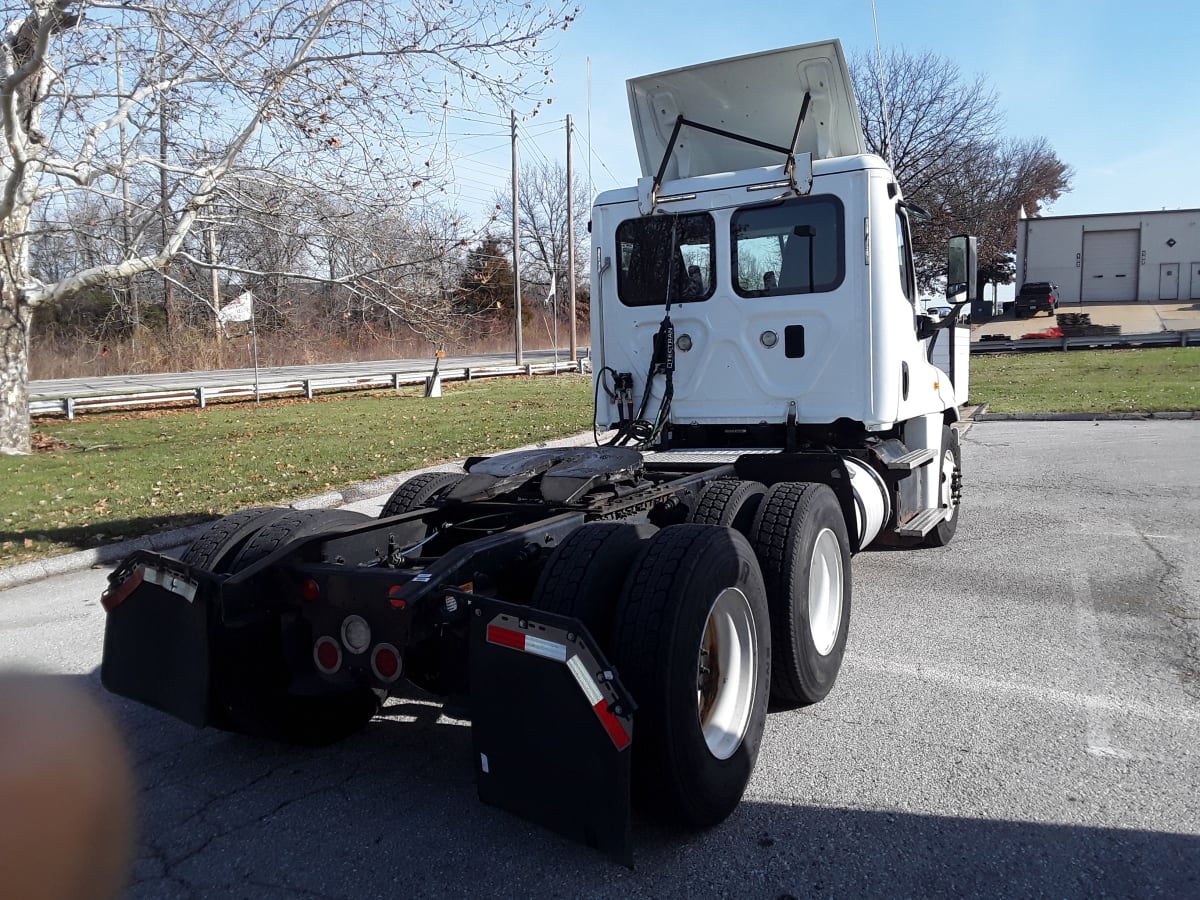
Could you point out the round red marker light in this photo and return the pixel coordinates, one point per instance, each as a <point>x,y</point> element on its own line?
<point>310,590</point>
<point>385,663</point>
<point>327,655</point>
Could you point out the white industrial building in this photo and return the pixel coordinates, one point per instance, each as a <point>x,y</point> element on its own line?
<point>1134,256</point>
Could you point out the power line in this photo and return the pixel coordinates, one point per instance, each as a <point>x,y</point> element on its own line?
<point>600,159</point>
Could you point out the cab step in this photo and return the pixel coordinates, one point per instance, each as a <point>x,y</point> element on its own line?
<point>912,460</point>
<point>923,522</point>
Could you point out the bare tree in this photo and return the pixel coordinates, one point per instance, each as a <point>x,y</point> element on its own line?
<point>947,152</point>
<point>543,207</point>
<point>204,85</point>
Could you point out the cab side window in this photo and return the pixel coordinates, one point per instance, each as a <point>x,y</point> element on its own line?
<point>904,253</point>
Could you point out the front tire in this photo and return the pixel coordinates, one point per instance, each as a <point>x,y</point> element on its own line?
<point>800,538</point>
<point>692,643</point>
<point>949,489</point>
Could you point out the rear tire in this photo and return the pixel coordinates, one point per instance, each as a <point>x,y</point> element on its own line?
<point>418,491</point>
<point>728,501</point>
<point>225,536</point>
<point>949,489</point>
<point>584,574</point>
<point>693,647</point>
<point>253,662</point>
<point>800,538</point>
<point>294,523</point>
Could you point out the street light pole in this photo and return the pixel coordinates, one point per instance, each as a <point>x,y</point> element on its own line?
<point>516,239</point>
<point>570,253</point>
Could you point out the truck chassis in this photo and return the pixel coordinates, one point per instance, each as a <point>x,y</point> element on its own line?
<point>557,592</point>
<point>615,619</point>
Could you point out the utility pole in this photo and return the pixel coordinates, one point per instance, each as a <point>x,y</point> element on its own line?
<point>570,247</point>
<point>516,239</point>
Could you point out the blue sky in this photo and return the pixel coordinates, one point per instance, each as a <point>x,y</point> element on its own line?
<point>1114,87</point>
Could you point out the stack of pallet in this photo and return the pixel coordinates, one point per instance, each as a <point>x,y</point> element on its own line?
<point>1080,325</point>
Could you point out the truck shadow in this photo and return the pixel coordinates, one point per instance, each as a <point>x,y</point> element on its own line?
<point>393,812</point>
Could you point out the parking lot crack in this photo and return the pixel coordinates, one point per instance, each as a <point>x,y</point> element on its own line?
<point>1183,615</point>
<point>172,863</point>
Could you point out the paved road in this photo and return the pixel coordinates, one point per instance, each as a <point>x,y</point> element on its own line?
<point>1018,715</point>
<point>167,381</point>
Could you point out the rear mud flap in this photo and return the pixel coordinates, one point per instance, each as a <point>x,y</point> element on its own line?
<point>156,637</point>
<point>552,726</point>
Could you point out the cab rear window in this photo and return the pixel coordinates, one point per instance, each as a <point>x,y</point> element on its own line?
<point>792,247</point>
<point>661,256</point>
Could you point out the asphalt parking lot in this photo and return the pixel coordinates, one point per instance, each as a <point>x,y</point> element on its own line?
<point>1017,715</point>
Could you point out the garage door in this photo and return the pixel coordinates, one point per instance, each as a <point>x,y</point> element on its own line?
<point>1110,265</point>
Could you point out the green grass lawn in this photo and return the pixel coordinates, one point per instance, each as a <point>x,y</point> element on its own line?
<point>123,475</point>
<point>1126,381</point>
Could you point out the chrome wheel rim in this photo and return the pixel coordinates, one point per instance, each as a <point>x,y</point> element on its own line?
<point>725,673</point>
<point>949,475</point>
<point>825,580</point>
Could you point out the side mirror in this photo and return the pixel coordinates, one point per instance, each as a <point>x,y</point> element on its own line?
<point>925,327</point>
<point>962,269</point>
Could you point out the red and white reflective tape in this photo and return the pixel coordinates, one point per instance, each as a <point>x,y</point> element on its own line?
<point>611,723</point>
<point>528,643</point>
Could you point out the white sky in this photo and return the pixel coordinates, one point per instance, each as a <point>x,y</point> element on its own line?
<point>1113,86</point>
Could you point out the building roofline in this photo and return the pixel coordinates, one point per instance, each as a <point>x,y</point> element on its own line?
<point>1135,212</point>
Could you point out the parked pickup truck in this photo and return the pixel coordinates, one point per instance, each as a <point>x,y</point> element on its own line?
<point>1035,296</point>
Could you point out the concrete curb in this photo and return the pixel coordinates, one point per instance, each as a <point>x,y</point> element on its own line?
<point>97,556</point>
<point>983,414</point>
<point>111,554</point>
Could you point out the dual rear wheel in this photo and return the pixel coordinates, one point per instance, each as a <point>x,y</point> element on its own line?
<point>706,624</point>
<point>802,546</point>
<point>705,621</point>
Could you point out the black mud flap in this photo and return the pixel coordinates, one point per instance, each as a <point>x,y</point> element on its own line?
<point>552,726</point>
<point>156,636</point>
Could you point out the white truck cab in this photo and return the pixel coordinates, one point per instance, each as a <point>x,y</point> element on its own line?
<point>791,292</point>
<point>755,289</point>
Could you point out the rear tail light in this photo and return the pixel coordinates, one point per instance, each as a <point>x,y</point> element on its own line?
<point>385,663</point>
<point>327,654</point>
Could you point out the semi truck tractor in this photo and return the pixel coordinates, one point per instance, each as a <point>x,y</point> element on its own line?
<point>614,619</point>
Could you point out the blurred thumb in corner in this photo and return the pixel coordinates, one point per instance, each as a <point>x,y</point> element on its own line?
<point>66,820</point>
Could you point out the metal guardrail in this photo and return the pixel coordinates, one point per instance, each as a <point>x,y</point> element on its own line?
<point>308,387</point>
<point>70,405</point>
<point>1091,342</point>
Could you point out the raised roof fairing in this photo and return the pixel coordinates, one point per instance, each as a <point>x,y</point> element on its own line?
<point>758,96</point>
